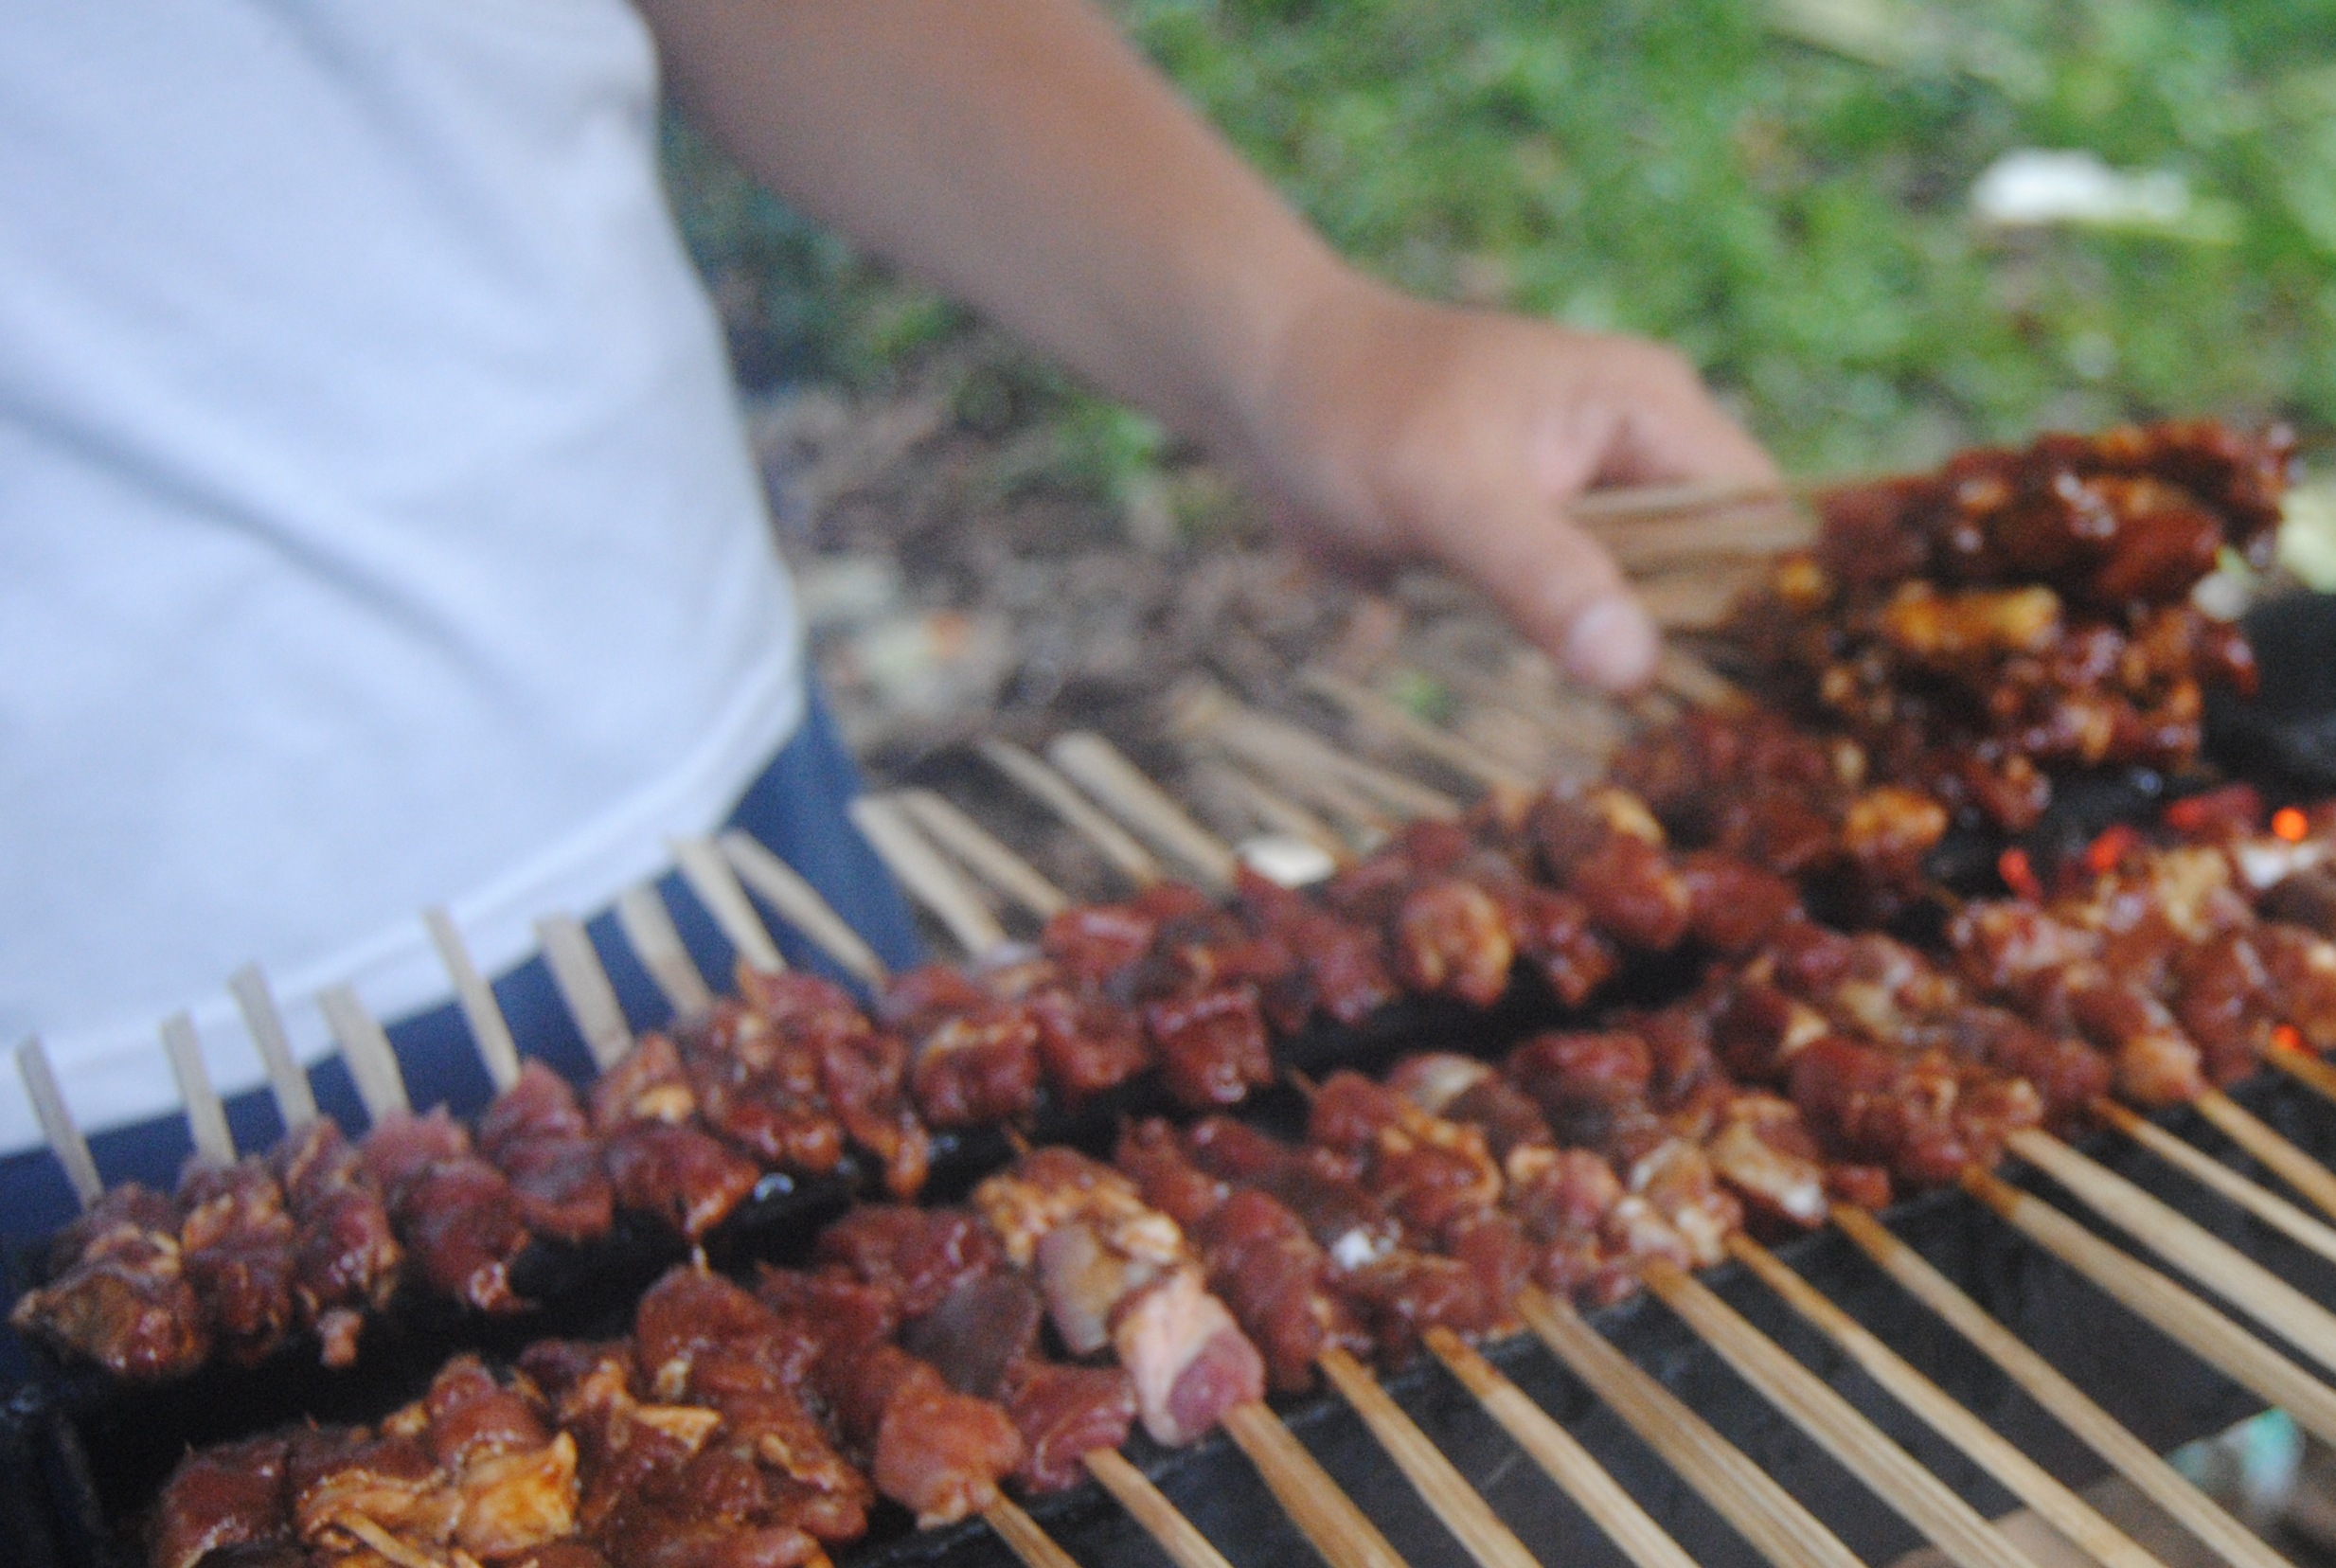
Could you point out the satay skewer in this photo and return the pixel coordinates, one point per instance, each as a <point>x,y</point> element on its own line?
<point>649,930</point>
<point>1185,1546</point>
<point>2298,1167</point>
<point>206,1119</point>
<point>584,987</point>
<point>981,852</point>
<point>2075,1409</point>
<point>296,1101</point>
<point>2187,1245</point>
<point>490,1032</point>
<point>2288,1307</point>
<point>57,1127</point>
<point>2205,1331</point>
<point>1331,1521</point>
<point>2021,1476</point>
<point>2211,1173</point>
<point>709,874</point>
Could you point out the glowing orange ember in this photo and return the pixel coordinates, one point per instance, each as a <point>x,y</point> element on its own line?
<point>2289,824</point>
<point>2102,854</point>
<point>2286,1037</point>
<point>2018,874</point>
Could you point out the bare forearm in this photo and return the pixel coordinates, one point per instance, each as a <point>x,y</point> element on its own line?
<point>1018,154</point>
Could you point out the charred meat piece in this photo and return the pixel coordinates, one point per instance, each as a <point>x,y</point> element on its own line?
<point>238,1245</point>
<point>119,1292</point>
<point>455,1214</point>
<point>346,1261</point>
<point>536,1134</point>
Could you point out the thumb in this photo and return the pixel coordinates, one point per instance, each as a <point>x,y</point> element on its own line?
<point>1562,590</point>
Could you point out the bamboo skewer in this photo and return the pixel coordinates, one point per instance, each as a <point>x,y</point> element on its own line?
<point>1299,756</point>
<point>296,1101</point>
<point>206,1117</point>
<point>1023,1536</point>
<point>928,878</point>
<point>798,904</point>
<point>2205,1331</point>
<point>56,1123</point>
<point>2180,1240</point>
<point>1099,768</point>
<point>1366,707</point>
<point>488,1031</point>
<point>2075,1409</point>
<point>1829,1420</point>
<point>975,848</point>
<point>2305,1069</point>
<point>2290,1163</point>
<point>1051,789</point>
<point>1324,1515</point>
<point>372,1063</point>
<point>1561,1456</point>
<point>1771,1519</point>
<point>648,928</point>
<point>710,878</point>
<point>2222,1180</point>
<point>1271,809</point>
<point>1466,1514</point>
<point>585,988</point>
<point>2020,1475</point>
<point>1185,1546</point>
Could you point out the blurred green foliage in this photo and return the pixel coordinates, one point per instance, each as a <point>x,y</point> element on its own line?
<point>1781,190</point>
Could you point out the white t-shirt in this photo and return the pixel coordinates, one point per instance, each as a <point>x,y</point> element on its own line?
<point>376,526</point>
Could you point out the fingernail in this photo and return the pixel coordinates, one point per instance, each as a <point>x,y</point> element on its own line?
<point>1612,645</point>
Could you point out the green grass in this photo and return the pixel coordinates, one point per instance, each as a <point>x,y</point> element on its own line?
<point>1791,213</point>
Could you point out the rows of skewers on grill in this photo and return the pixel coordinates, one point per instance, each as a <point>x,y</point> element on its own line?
<point>931,1355</point>
<point>1645,1148</point>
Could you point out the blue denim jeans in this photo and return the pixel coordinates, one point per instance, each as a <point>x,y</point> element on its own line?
<point>797,808</point>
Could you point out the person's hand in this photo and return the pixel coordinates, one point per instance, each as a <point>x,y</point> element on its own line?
<point>1397,430</point>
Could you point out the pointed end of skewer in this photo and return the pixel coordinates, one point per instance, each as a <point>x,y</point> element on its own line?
<point>56,1119</point>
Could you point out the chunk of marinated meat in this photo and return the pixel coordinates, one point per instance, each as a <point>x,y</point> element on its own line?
<point>1064,1414</point>
<point>1212,1045</point>
<point>978,1065</point>
<point>1087,1043</point>
<point>1187,1359</point>
<point>1765,1155</point>
<point>922,1255</point>
<point>229,1496</point>
<point>346,1261</point>
<point>1450,937</point>
<point>979,1332</point>
<point>537,1135</point>
<point>1582,1081</point>
<point>120,1294</point>
<point>679,1174</point>
<point>455,1214</point>
<point>238,1246</point>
